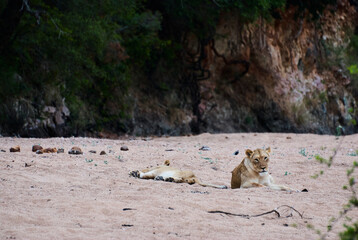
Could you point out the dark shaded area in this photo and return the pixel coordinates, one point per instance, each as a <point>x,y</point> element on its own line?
<point>85,67</point>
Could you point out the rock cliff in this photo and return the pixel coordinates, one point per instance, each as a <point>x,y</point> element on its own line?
<point>286,75</point>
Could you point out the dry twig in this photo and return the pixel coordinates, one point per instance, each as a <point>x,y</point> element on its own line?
<point>288,208</point>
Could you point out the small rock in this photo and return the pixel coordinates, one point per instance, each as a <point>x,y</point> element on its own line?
<point>75,150</point>
<point>49,109</point>
<point>127,225</point>
<point>2,150</point>
<point>304,190</point>
<point>128,209</point>
<point>15,149</point>
<point>236,152</point>
<point>147,139</point>
<point>93,151</point>
<point>27,165</point>
<point>196,191</point>
<point>102,153</point>
<point>285,224</point>
<point>124,148</point>
<point>39,152</point>
<point>49,150</point>
<point>288,137</point>
<point>60,150</point>
<point>58,118</point>
<point>204,148</point>
<point>169,150</point>
<point>35,148</point>
<point>46,150</point>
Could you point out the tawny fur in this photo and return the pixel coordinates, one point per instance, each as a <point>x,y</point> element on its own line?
<point>253,171</point>
<point>170,174</point>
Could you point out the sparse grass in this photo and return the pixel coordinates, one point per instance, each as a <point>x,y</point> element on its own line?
<point>303,152</point>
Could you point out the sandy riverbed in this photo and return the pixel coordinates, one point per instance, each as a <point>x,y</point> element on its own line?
<point>91,196</point>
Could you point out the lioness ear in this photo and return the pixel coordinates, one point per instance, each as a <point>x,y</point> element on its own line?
<point>248,152</point>
<point>268,150</point>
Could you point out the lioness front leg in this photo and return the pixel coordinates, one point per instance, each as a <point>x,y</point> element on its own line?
<point>251,184</point>
<point>137,173</point>
<point>143,175</point>
<point>282,188</point>
<point>271,184</point>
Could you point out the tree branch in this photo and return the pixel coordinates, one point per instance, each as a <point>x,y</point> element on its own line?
<point>36,13</point>
<point>262,214</point>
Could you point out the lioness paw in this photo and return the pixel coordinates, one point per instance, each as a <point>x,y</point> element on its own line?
<point>169,179</point>
<point>134,174</point>
<point>190,181</point>
<point>159,178</point>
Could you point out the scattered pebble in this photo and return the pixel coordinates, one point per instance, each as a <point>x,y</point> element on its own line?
<point>15,149</point>
<point>46,150</point>
<point>128,209</point>
<point>27,165</point>
<point>103,153</point>
<point>288,137</point>
<point>169,150</point>
<point>304,190</point>
<point>206,192</point>
<point>285,224</point>
<point>205,148</point>
<point>2,150</point>
<point>49,150</point>
<point>60,150</point>
<point>127,225</point>
<point>124,148</point>
<point>147,139</point>
<point>93,151</point>
<point>236,152</point>
<point>75,150</point>
<point>35,148</point>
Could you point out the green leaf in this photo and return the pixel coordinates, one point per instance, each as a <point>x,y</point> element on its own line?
<point>353,69</point>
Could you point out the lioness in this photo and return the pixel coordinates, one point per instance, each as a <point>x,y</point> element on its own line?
<point>170,174</point>
<point>252,171</point>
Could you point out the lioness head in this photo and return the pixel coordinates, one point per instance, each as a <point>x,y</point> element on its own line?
<point>259,159</point>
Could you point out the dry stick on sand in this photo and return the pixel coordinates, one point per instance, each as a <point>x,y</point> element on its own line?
<point>265,213</point>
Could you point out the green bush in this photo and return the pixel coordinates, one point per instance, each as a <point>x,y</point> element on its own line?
<point>85,49</point>
<point>351,232</point>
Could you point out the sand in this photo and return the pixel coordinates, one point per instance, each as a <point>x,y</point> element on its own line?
<point>91,196</point>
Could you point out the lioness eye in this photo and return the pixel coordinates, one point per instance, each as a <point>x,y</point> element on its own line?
<point>266,158</point>
<point>256,160</point>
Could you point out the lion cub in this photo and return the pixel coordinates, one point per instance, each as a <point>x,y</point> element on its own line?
<point>252,171</point>
<point>170,174</point>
